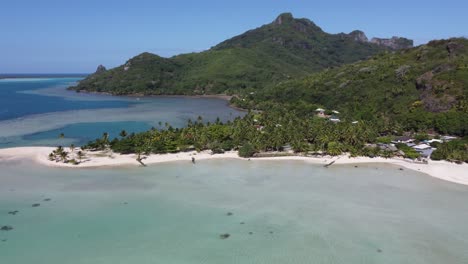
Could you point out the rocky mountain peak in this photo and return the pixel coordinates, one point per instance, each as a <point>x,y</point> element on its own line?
<point>395,43</point>
<point>359,36</point>
<point>284,18</point>
<point>100,69</point>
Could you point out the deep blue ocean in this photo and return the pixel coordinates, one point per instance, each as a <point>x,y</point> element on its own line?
<point>14,102</point>
<point>35,111</point>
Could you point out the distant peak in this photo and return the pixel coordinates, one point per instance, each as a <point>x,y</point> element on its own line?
<point>143,57</point>
<point>100,69</point>
<point>284,17</point>
<point>359,36</point>
<point>145,54</point>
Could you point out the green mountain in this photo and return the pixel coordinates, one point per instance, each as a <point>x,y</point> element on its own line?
<point>284,49</point>
<point>421,88</point>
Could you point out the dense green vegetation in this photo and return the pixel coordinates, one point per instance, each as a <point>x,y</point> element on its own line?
<point>456,150</point>
<point>61,155</point>
<point>284,49</point>
<point>254,133</point>
<point>267,132</point>
<point>419,89</point>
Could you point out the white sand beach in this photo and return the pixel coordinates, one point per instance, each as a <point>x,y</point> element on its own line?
<point>457,173</point>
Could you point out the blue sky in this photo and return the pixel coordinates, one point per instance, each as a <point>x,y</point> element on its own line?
<point>75,36</point>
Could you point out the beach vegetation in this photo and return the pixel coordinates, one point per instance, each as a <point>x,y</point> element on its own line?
<point>59,154</point>
<point>410,153</point>
<point>247,150</point>
<point>455,150</point>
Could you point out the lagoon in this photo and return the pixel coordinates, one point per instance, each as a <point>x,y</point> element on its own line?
<point>282,212</point>
<point>34,112</point>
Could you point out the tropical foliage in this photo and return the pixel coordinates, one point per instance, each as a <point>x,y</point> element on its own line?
<point>413,90</point>
<point>254,133</point>
<point>456,150</point>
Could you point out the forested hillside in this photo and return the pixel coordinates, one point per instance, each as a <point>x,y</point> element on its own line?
<point>285,49</point>
<point>421,88</point>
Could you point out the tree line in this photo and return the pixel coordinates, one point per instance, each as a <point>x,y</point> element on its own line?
<point>260,132</point>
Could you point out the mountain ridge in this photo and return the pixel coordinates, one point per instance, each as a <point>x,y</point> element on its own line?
<point>283,49</point>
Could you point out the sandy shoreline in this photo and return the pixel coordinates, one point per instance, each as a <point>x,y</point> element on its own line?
<point>439,169</point>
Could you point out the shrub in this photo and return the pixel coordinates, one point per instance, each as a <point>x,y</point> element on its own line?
<point>247,150</point>
<point>227,145</point>
<point>384,140</point>
<point>409,152</point>
<point>217,151</point>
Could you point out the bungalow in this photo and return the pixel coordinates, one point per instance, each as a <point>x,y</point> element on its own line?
<point>421,147</point>
<point>448,138</point>
<point>424,149</point>
<point>433,140</point>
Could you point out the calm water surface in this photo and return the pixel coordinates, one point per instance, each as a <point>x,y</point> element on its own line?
<point>282,212</point>
<point>35,111</point>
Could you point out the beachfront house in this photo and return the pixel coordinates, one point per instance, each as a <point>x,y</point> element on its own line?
<point>424,149</point>
<point>448,138</point>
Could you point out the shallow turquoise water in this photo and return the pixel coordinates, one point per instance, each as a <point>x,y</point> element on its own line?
<point>81,132</point>
<point>175,212</point>
<point>33,112</point>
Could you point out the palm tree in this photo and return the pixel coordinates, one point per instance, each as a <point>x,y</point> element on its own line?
<point>123,133</point>
<point>64,156</point>
<point>105,140</point>
<point>80,155</point>
<point>72,147</point>
<point>62,135</point>
<point>58,150</point>
<point>105,136</point>
<point>334,148</point>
